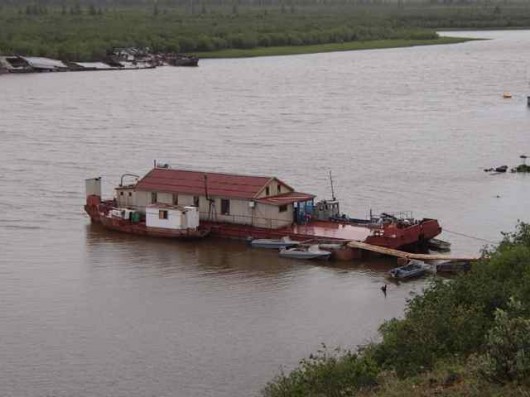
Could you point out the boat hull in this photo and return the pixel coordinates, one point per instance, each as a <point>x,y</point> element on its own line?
<point>99,213</point>
<point>286,253</point>
<point>264,243</point>
<point>141,229</point>
<point>413,269</point>
<point>407,238</point>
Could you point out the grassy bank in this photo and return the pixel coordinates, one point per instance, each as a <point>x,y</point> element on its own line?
<point>88,30</point>
<point>469,336</point>
<point>313,49</point>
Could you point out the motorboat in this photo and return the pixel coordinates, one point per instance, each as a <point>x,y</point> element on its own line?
<point>453,267</point>
<point>414,268</point>
<point>284,242</point>
<point>438,245</point>
<point>311,252</point>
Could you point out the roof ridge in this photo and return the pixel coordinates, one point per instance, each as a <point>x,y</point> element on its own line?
<point>212,172</point>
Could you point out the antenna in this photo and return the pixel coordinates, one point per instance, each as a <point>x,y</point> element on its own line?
<point>331,182</point>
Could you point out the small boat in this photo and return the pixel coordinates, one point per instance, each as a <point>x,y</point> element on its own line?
<point>438,245</point>
<point>183,60</point>
<point>284,242</point>
<point>507,95</point>
<point>453,267</point>
<point>311,252</point>
<point>414,268</point>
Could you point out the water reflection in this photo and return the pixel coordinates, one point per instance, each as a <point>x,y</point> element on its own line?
<point>214,256</point>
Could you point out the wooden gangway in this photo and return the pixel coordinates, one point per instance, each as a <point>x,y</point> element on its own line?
<point>408,255</point>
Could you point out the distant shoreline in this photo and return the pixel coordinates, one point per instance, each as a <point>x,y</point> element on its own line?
<point>331,47</point>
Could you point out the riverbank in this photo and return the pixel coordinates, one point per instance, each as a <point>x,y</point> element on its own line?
<point>331,47</point>
<point>470,336</point>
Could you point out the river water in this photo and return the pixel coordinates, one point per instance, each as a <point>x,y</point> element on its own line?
<point>86,312</point>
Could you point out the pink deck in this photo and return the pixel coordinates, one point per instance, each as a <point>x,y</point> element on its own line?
<point>332,230</point>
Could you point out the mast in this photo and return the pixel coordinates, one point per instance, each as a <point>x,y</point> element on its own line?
<point>331,183</point>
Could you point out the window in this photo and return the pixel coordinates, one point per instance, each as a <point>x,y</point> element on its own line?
<point>121,193</point>
<point>175,199</point>
<point>267,191</point>
<point>154,197</point>
<point>283,208</point>
<point>225,207</point>
<point>279,188</point>
<point>196,201</point>
<point>130,194</point>
<point>162,214</point>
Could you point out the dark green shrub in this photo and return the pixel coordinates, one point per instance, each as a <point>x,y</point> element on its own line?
<point>507,356</point>
<point>335,374</point>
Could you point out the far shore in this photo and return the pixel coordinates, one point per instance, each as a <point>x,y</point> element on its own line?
<point>331,47</point>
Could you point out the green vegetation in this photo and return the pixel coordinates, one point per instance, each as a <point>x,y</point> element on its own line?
<point>312,49</point>
<point>522,168</point>
<point>87,30</point>
<point>468,337</point>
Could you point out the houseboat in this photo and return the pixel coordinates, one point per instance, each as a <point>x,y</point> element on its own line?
<point>243,207</point>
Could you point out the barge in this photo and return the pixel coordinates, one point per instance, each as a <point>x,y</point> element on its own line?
<point>242,207</point>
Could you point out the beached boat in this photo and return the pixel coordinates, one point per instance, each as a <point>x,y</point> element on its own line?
<point>284,242</point>
<point>453,267</point>
<point>311,252</point>
<point>183,60</point>
<point>438,245</point>
<point>414,268</point>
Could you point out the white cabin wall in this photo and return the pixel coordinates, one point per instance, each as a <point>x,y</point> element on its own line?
<point>185,199</point>
<point>142,199</point>
<point>273,189</point>
<point>270,217</point>
<point>174,220</point>
<point>164,198</point>
<point>262,215</point>
<point>125,197</point>
<point>93,186</point>
<point>240,211</point>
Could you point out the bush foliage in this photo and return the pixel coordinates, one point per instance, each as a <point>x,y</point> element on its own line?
<point>483,315</point>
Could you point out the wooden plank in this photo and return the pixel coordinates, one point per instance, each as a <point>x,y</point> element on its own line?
<point>408,255</point>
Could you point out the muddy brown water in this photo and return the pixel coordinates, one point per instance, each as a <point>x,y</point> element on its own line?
<point>87,312</point>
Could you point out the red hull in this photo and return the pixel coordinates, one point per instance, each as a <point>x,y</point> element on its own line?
<point>98,214</point>
<point>390,236</point>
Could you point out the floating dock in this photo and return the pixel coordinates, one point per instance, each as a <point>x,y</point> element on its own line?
<point>408,255</point>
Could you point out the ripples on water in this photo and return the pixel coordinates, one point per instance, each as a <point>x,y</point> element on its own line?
<point>88,312</point>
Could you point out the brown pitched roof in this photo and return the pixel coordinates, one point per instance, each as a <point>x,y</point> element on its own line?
<point>192,182</point>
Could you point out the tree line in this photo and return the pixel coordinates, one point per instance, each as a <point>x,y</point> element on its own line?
<point>88,30</point>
